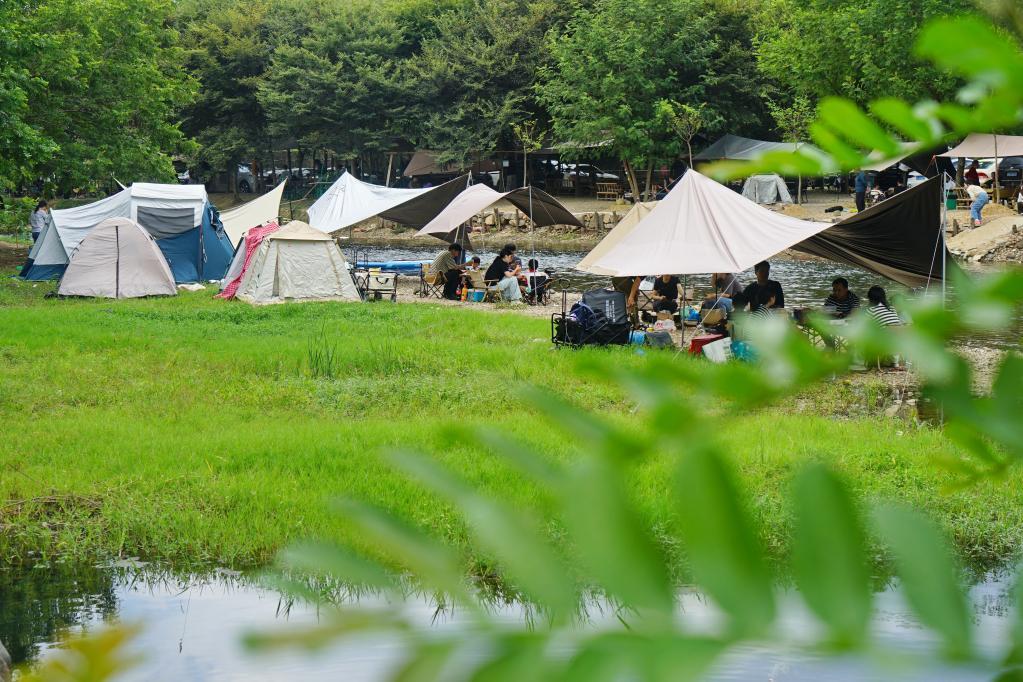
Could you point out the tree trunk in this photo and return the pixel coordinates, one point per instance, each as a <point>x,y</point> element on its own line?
<point>631,175</point>
<point>960,167</point>
<point>525,167</point>
<point>689,148</point>
<point>649,178</point>
<point>232,179</point>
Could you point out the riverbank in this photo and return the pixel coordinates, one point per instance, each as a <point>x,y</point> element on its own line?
<point>198,432</point>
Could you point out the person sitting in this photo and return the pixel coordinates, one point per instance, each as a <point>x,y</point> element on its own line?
<point>446,266</point>
<point>665,295</point>
<point>513,250</point>
<point>841,302</point>
<point>726,290</point>
<point>765,304</point>
<point>505,273</point>
<point>880,310</point>
<point>474,264</point>
<point>536,279</point>
<point>752,292</point>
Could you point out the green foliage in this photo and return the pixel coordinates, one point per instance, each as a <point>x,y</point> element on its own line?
<point>860,49</point>
<point>106,83</point>
<point>97,657</point>
<point>609,553</point>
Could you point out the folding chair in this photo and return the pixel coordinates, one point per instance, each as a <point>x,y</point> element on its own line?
<point>539,286</point>
<point>430,284</point>
<point>477,283</point>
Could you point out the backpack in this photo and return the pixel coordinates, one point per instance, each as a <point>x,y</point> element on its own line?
<point>584,316</point>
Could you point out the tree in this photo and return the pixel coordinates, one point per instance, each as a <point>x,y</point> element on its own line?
<point>229,54</point>
<point>685,120</point>
<point>793,122</point>
<point>103,89</point>
<point>860,49</point>
<point>530,139</point>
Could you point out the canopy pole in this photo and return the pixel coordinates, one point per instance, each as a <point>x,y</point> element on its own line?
<point>944,229</point>
<point>532,224</point>
<point>995,179</point>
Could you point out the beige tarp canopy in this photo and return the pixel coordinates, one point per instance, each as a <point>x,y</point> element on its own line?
<point>702,226</point>
<point>625,226</point>
<point>254,213</point>
<point>987,146</point>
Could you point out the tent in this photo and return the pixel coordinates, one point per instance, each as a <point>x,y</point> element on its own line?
<point>251,240</point>
<point>625,226</point>
<point>766,189</point>
<point>259,211</point>
<point>185,225</point>
<point>117,259</point>
<point>702,226</point>
<point>420,210</point>
<point>542,208</point>
<point>901,238</point>
<point>987,146</point>
<point>424,162</point>
<point>297,263</point>
<point>349,201</point>
<point>737,148</point>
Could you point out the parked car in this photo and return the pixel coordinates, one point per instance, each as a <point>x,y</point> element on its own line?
<point>915,179</point>
<point>246,180</point>
<point>588,171</point>
<point>1010,169</point>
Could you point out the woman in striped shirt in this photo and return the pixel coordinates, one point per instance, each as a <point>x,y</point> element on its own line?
<point>880,309</point>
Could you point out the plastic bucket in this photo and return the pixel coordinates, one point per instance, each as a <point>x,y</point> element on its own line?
<point>476,296</point>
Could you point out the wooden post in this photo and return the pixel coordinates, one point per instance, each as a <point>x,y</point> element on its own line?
<point>598,221</point>
<point>390,165</point>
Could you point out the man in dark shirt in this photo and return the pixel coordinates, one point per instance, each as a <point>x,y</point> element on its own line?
<point>666,293</point>
<point>860,187</point>
<point>841,302</point>
<point>752,292</point>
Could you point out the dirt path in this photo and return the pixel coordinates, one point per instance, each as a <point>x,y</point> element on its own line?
<point>12,255</point>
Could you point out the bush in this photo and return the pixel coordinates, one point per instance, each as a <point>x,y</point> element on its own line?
<point>14,215</point>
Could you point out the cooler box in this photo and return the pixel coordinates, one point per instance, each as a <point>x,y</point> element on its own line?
<point>698,342</point>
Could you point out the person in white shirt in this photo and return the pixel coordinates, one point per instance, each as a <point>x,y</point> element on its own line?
<point>980,199</point>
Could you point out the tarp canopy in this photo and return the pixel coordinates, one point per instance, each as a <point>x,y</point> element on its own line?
<point>625,226</point>
<point>766,189</point>
<point>297,263</point>
<point>117,259</point>
<point>737,148</point>
<point>702,226</point>
<point>899,238</point>
<point>254,213</point>
<point>349,201</point>
<point>537,204</point>
<point>424,162</point>
<point>987,146</point>
<point>420,210</point>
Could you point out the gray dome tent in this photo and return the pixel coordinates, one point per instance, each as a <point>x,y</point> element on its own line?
<point>117,259</point>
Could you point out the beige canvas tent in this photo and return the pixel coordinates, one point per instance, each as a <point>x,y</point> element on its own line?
<point>626,225</point>
<point>117,259</point>
<point>297,263</point>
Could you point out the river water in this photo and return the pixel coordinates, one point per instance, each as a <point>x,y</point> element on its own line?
<point>192,629</point>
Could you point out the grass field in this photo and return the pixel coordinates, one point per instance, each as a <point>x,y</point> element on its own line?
<point>195,431</point>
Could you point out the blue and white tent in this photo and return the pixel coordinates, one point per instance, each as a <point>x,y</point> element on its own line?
<point>180,218</point>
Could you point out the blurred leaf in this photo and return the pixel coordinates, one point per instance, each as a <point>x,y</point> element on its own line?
<point>518,657</point>
<point>337,562</point>
<point>428,663</point>
<point>722,546</point>
<point>652,658</point>
<point>846,155</point>
<point>903,118</point>
<point>435,565</point>
<point>507,533</point>
<point>334,625</point>
<point>95,657</point>
<point>590,429</point>
<point>843,115</point>
<point>612,541</point>
<point>930,581</point>
<point>528,461</point>
<point>983,53</point>
<point>829,555</point>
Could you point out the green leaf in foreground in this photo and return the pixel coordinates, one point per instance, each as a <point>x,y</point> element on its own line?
<point>829,553</point>
<point>929,579</point>
<point>722,546</point>
<point>507,533</point>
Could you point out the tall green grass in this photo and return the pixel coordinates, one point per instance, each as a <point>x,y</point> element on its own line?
<point>195,431</point>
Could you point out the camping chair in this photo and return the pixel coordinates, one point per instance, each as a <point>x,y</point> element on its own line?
<point>487,288</point>
<point>539,288</point>
<point>430,284</point>
<point>711,320</point>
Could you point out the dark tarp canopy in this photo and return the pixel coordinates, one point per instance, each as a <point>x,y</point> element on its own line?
<point>420,210</point>
<point>424,162</point>
<point>899,238</point>
<point>738,148</point>
<point>541,207</point>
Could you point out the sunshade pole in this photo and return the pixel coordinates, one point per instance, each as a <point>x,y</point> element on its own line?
<point>944,227</point>
<point>532,224</point>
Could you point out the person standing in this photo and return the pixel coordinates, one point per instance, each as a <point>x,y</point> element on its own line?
<point>980,199</point>
<point>971,176</point>
<point>860,187</point>
<point>37,220</point>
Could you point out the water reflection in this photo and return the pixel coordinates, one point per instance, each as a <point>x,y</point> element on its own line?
<point>193,627</point>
